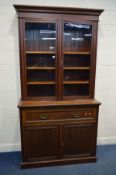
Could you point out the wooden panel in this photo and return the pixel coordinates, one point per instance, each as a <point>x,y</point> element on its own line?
<point>41,143</point>
<point>79,140</point>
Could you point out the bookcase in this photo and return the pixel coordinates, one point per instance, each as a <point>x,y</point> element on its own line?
<point>58,112</point>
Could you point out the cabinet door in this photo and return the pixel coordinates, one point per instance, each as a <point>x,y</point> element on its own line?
<point>79,140</point>
<point>76,55</point>
<point>41,143</point>
<point>40,60</point>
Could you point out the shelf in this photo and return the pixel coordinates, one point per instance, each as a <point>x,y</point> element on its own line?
<point>78,53</point>
<point>39,52</point>
<point>53,68</point>
<point>76,68</point>
<point>76,82</point>
<point>40,68</point>
<point>40,82</point>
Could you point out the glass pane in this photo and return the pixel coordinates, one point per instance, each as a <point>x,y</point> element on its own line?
<point>41,75</point>
<point>76,59</point>
<point>77,37</point>
<point>41,90</point>
<point>40,36</point>
<point>76,75</point>
<point>40,42</point>
<point>76,90</point>
<point>41,60</point>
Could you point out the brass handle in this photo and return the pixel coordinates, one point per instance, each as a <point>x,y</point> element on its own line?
<point>76,116</point>
<point>43,116</point>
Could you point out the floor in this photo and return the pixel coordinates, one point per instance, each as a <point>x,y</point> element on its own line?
<point>106,165</point>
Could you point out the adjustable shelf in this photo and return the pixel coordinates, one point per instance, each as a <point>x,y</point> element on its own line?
<point>76,68</point>
<point>40,82</point>
<point>40,68</point>
<point>75,82</point>
<point>77,53</point>
<point>40,52</point>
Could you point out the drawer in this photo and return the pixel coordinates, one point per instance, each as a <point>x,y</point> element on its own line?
<point>36,115</point>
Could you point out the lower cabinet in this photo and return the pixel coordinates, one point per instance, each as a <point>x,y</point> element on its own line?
<point>53,137</point>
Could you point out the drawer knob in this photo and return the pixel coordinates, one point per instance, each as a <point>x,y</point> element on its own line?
<point>43,116</point>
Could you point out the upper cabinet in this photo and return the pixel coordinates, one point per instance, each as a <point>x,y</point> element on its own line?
<point>57,52</point>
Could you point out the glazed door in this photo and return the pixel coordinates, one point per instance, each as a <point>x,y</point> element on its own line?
<point>76,59</point>
<point>40,60</point>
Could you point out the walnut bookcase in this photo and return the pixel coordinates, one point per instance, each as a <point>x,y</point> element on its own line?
<point>58,112</point>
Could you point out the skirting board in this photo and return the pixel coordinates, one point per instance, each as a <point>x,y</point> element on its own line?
<point>17,146</point>
<point>106,140</point>
<point>10,147</point>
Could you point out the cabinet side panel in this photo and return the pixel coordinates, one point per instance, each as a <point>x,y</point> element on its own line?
<point>22,59</point>
<point>94,58</point>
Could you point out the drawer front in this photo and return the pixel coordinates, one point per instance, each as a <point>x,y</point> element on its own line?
<point>74,114</point>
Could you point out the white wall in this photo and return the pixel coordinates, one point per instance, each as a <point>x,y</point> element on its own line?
<point>9,69</point>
